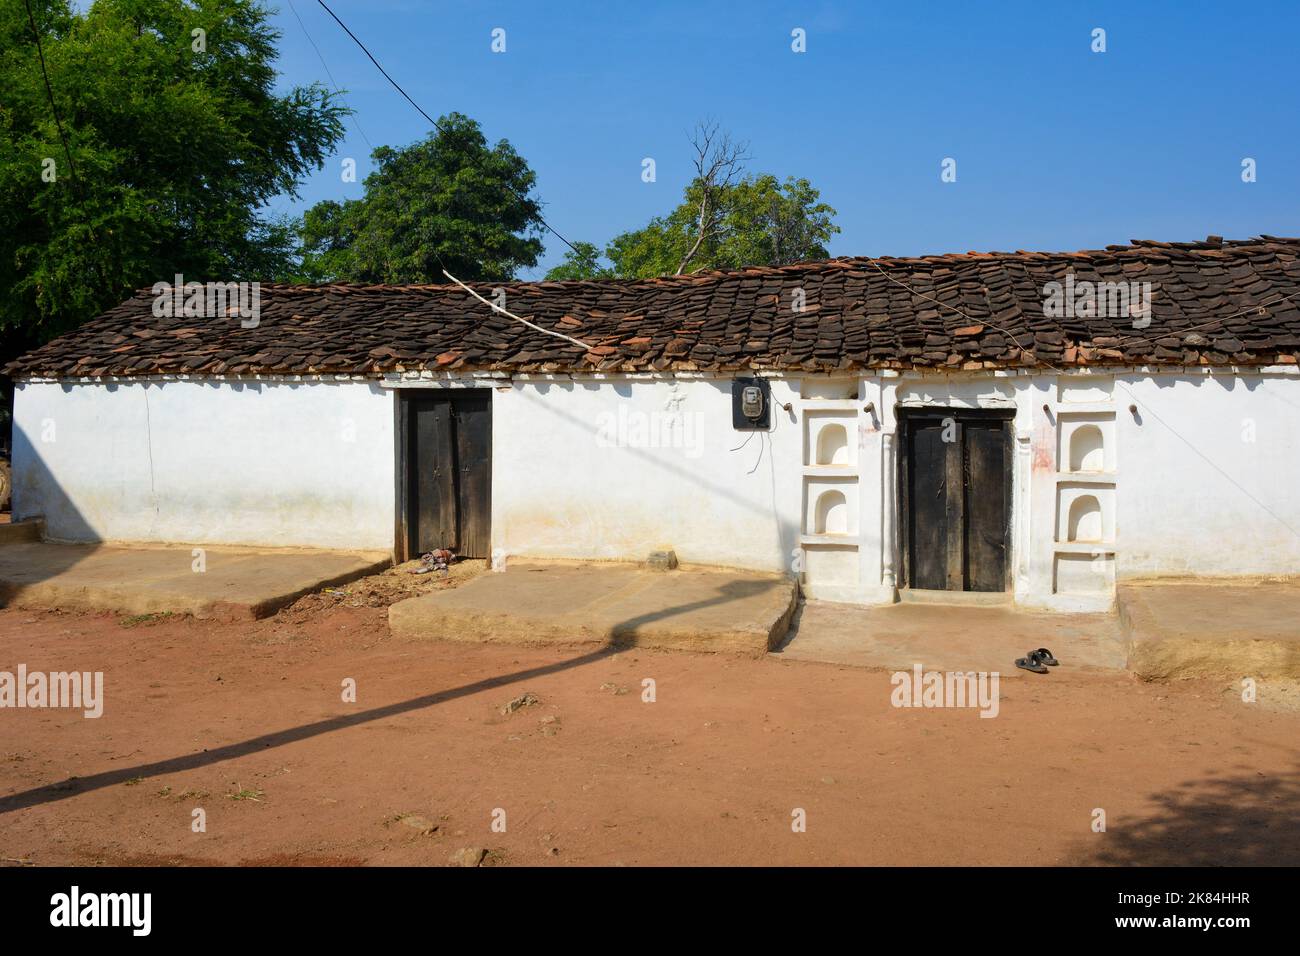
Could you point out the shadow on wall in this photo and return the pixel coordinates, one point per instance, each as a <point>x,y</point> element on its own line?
<point>1247,819</point>
<point>786,533</point>
<point>36,493</point>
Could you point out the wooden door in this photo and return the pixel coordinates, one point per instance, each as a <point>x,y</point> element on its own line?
<point>956,489</point>
<point>472,418</point>
<point>449,471</point>
<point>935,521</point>
<point>988,504</point>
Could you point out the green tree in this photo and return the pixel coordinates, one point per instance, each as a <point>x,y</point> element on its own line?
<point>178,143</point>
<point>772,223</point>
<point>581,262</point>
<point>447,202</point>
<point>726,220</point>
<point>760,221</point>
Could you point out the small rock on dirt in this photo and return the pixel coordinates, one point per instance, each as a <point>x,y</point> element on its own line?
<point>426,827</point>
<point>520,702</point>
<point>662,561</point>
<point>470,856</point>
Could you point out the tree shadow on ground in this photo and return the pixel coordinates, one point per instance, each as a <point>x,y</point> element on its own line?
<point>625,633</point>
<point>1243,819</point>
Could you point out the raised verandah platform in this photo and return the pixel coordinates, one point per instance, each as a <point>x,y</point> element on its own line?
<point>1164,628</point>
<point>615,605</point>
<point>220,582</point>
<point>1168,628</point>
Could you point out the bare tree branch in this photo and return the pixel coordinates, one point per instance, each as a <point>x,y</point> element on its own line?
<point>719,162</point>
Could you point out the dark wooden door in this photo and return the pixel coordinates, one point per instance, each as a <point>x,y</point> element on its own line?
<point>449,479</point>
<point>988,504</point>
<point>956,482</point>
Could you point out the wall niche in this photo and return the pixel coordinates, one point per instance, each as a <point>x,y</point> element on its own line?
<point>832,513</point>
<point>1085,519</point>
<point>1087,449</point>
<point>832,445</point>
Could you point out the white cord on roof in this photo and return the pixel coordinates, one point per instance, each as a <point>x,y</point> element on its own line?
<point>496,308</point>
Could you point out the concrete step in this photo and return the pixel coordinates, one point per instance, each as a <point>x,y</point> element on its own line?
<point>606,605</point>
<point>235,583</point>
<point>958,598</point>
<point>1222,628</point>
<point>33,529</point>
<point>944,637</point>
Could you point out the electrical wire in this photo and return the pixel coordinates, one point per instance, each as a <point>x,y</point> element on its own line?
<point>49,92</point>
<point>496,308</point>
<point>418,109</point>
<point>337,89</point>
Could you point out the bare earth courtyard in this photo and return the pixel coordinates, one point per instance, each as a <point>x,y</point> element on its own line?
<point>247,721</point>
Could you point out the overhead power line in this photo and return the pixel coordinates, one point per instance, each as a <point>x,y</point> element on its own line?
<point>40,52</point>
<point>320,56</point>
<point>418,109</point>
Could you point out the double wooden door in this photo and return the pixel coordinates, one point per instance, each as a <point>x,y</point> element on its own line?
<point>449,471</point>
<point>955,478</point>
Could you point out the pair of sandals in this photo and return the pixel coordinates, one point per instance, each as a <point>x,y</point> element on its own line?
<point>1037,661</point>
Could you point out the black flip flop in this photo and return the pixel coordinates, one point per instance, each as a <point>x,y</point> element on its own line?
<point>1044,656</point>
<point>1031,663</point>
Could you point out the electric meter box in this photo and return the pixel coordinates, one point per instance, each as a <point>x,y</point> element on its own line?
<point>751,404</point>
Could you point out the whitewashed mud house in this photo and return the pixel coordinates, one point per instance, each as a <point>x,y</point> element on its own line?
<point>1041,424</point>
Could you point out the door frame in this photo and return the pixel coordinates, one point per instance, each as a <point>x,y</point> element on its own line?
<point>401,477</point>
<point>905,415</point>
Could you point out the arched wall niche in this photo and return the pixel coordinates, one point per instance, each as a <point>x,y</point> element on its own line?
<point>1085,519</point>
<point>1087,449</point>
<point>832,514</point>
<point>833,444</point>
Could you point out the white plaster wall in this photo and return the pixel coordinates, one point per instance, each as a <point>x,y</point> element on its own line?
<point>1190,496</point>
<point>618,468</point>
<point>281,464</point>
<point>576,473</point>
<point>1194,494</point>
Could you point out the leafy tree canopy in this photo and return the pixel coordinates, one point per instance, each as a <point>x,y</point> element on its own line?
<point>756,220</point>
<point>178,143</point>
<point>581,262</point>
<point>448,202</point>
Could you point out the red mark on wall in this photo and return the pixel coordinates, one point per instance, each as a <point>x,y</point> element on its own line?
<point>1044,460</point>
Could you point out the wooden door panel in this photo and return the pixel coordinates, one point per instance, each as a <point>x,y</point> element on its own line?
<point>433,476</point>
<point>928,499</point>
<point>474,473</point>
<point>987,515</point>
<point>952,439</point>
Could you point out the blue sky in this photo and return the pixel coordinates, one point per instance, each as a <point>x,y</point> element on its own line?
<point>1057,147</point>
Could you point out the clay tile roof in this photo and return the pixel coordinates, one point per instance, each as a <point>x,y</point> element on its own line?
<point>1213,302</point>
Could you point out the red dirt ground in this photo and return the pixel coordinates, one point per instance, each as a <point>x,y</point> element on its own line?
<point>707,774</point>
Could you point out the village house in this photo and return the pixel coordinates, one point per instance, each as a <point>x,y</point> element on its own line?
<point>984,422</point>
